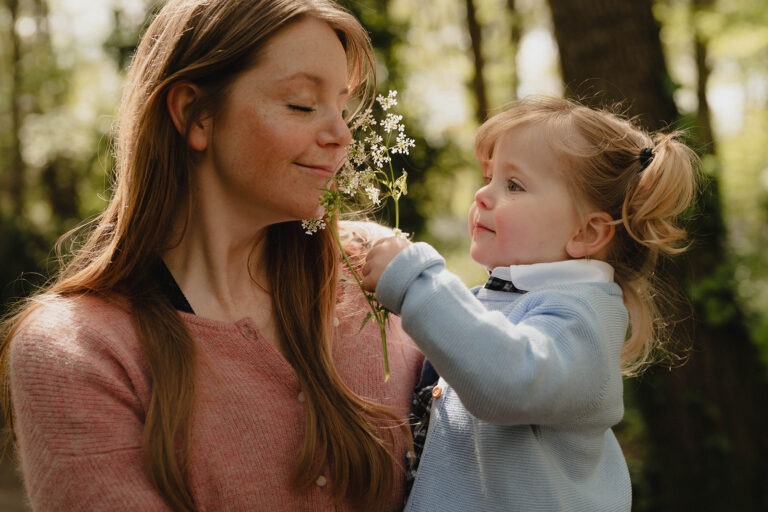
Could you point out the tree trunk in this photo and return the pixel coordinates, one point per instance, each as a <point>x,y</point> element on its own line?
<point>14,198</point>
<point>478,77</point>
<point>705,420</point>
<point>610,52</point>
<point>515,35</point>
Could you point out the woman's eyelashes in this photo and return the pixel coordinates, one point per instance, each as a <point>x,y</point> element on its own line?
<point>301,108</point>
<point>308,109</point>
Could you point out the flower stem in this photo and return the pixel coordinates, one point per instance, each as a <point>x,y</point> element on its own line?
<point>378,313</point>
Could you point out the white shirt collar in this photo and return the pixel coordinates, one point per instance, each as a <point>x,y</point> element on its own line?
<point>540,275</point>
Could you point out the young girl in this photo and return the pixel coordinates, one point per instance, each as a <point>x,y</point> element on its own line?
<point>578,205</point>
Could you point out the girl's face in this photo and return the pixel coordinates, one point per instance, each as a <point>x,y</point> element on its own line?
<point>525,213</point>
<point>281,134</point>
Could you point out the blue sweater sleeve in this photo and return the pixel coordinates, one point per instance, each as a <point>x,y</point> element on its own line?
<point>552,365</point>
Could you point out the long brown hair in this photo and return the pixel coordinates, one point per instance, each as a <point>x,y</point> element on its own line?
<point>209,43</point>
<point>644,181</point>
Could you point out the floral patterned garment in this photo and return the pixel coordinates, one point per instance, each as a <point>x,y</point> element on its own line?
<point>421,406</point>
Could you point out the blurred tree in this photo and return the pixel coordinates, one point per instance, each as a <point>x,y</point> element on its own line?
<point>32,85</point>
<point>387,33</point>
<point>515,35</point>
<point>15,175</point>
<point>478,60</point>
<point>705,420</point>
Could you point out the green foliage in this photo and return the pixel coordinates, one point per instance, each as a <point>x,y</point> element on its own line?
<point>61,138</point>
<point>23,251</point>
<point>713,297</point>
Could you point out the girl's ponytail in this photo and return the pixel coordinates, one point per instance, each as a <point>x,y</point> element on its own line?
<point>662,191</point>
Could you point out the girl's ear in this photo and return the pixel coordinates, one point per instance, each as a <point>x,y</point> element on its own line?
<point>592,237</point>
<point>180,97</point>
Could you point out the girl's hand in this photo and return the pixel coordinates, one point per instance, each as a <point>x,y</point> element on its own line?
<point>379,257</point>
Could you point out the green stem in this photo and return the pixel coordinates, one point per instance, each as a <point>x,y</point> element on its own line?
<point>392,188</point>
<point>377,312</point>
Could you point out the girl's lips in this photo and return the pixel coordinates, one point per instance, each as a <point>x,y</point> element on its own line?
<point>480,227</point>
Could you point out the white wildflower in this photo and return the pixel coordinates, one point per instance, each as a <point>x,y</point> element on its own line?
<point>379,155</point>
<point>312,226</point>
<point>403,143</point>
<point>363,121</point>
<point>356,152</point>
<point>348,179</point>
<point>368,173</point>
<point>388,102</point>
<point>373,194</point>
<point>391,123</point>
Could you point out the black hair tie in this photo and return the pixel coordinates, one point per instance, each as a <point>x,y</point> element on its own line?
<point>645,157</point>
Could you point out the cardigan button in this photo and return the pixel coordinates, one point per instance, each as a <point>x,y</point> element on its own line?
<point>300,398</point>
<point>336,321</point>
<point>437,392</point>
<point>321,481</point>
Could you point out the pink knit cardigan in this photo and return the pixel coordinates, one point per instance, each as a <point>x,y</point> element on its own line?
<point>81,387</point>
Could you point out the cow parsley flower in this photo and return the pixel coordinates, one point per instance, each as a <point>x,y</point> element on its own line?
<point>365,182</point>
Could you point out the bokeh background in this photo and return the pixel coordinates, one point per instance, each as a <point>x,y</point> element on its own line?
<point>696,434</point>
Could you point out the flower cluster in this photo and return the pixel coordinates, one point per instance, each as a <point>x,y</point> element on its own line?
<point>368,177</point>
<point>366,181</point>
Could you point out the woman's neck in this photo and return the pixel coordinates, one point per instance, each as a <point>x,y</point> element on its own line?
<point>220,271</point>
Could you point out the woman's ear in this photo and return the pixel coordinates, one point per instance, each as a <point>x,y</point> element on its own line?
<point>592,237</point>
<point>180,97</point>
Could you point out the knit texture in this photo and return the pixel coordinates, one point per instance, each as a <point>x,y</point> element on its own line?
<point>81,387</point>
<point>530,385</point>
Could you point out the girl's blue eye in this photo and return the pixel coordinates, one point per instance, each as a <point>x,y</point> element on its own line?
<point>514,186</point>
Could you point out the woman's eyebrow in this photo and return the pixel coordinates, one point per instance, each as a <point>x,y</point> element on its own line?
<point>315,79</point>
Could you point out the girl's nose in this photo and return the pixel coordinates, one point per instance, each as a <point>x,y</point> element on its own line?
<point>483,197</point>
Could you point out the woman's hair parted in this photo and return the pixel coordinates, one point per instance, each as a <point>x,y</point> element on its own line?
<point>209,43</point>
<point>644,181</point>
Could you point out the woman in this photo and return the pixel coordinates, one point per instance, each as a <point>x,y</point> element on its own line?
<point>199,351</point>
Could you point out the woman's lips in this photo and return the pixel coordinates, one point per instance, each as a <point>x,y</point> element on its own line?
<point>324,171</point>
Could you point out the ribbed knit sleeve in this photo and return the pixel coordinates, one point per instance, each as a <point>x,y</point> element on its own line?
<point>548,365</point>
<point>79,400</point>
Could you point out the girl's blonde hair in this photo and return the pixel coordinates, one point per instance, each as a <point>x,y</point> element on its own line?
<point>210,43</point>
<point>645,182</point>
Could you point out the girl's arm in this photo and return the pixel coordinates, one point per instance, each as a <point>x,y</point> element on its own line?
<point>551,366</point>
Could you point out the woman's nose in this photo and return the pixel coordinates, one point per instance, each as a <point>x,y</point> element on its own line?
<point>336,131</point>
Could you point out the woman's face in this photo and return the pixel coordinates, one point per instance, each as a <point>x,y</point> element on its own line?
<point>281,134</point>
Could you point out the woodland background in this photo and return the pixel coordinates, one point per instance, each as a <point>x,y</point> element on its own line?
<point>695,435</point>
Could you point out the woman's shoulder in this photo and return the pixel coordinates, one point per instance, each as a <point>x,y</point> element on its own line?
<point>82,309</point>
<point>63,326</point>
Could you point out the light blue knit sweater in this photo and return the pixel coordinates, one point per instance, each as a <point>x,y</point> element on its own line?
<point>531,385</point>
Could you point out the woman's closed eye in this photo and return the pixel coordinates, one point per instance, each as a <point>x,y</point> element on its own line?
<point>301,108</point>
